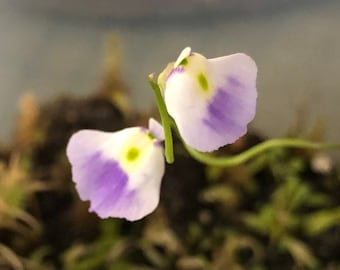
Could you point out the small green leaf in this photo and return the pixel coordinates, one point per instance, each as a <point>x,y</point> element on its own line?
<point>321,221</point>
<point>300,252</point>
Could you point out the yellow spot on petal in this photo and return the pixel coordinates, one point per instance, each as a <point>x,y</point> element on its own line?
<point>132,154</point>
<point>203,82</point>
<point>150,136</point>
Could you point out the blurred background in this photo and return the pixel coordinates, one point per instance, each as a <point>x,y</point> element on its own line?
<point>55,47</point>
<point>278,211</point>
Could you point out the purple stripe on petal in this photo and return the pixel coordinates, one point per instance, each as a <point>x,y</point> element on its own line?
<point>223,110</point>
<point>218,118</point>
<point>107,184</point>
<point>175,70</point>
<point>234,82</point>
<point>144,129</point>
<point>158,143</point>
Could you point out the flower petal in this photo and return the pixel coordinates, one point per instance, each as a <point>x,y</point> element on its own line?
<point>156,129</point>
<point>183,55</point>
<point>119,173</point>
<point>212,100</point>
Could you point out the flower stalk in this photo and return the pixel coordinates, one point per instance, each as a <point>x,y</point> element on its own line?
<point>169,152</point>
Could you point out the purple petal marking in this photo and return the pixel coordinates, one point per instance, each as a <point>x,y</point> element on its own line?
<point>175,70</point>
<point>218,118</point>
<point>223,111</point>
<point>233,82</point>
<point>106,185</point>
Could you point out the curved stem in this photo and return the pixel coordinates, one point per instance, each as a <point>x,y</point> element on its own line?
<point>169,152</point>
<point>255,150</point>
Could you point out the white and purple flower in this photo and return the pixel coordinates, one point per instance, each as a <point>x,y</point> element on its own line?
<point>211,100</point>
<point>119,172</point>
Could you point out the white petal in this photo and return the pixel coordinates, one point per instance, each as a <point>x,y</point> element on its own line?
<point>212,101</point>
<point>119,172</point>
<point>156,129</point>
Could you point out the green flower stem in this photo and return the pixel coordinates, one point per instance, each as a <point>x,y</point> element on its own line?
<point>256,150</point>
<point>169,152</point>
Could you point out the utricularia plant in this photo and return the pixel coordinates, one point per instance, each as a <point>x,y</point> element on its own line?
<point>207,102</point>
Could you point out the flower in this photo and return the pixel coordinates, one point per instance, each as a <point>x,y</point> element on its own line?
<point>211,100</point>
<point>118,172</point>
